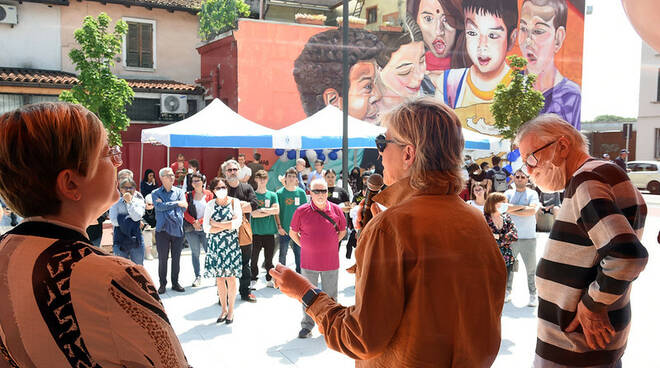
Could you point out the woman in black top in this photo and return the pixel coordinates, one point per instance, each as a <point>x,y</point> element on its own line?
<point>148,184</point>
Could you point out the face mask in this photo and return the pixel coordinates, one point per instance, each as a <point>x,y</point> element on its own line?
<point>221,193</point>
<point>553,177</point>
<point>502,208</point>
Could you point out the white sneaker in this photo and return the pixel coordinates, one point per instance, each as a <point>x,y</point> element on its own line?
<point>507,297</point>
<point>270,284</point>
<point>533,301</point>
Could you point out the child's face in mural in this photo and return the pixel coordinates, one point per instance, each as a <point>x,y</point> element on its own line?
<point>404,73</point>
<point>437,28</point>
<point>539,40</point>
<point>486,42</point>
<point>362,92</point>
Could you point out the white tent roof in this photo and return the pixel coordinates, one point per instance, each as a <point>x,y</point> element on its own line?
<point>483,142</point>
<point>215,126</point>
<point>324,129</point>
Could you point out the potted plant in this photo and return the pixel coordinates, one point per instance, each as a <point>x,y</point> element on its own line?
<point>353,22</point>
<point>314,19</point>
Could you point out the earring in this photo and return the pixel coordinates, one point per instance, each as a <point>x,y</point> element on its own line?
<point>76,196</point>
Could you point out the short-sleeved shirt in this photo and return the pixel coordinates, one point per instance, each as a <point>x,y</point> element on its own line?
<point>526,225</point>
<point>318,237</point>
<point>243,172</point>
<point>289,201</point>
<point>265,225</point>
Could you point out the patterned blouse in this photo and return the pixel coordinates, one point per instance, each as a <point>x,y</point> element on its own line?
<point>507,235</point>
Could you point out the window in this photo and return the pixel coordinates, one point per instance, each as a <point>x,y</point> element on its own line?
<point>657,142</point>
<point>139,45</point>
<point>372,15</point>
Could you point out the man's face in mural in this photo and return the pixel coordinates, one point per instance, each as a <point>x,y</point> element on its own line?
<point>486,42</point>
<point>539,40</point>
<point>362,92</point>
<point>404,73</point>
<point>437,28</point>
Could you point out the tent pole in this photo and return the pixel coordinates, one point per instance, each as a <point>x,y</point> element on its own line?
<point>141,160</point>
<point>167,164</point>
<point>345,71</point>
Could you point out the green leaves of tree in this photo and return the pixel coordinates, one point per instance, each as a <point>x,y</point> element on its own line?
<point>98,89</point>
<point>217,16</point>
<point>517,103</point>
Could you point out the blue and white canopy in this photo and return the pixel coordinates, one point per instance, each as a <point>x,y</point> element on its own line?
<point>215,126</point>
<point>482,142</point>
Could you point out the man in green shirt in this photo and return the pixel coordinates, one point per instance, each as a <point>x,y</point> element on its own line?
<point>264,227</point>
<point>290,198</point>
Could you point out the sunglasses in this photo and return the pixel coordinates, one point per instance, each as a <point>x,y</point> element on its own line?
<point>381,142</point>
<point>232,169</point>
<point>319,191</point>
<point>197,181</point>
<point>520,177</point>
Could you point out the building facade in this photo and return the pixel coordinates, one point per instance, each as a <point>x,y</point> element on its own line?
<point>648,121</point>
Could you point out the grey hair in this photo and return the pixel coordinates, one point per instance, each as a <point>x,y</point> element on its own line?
<point>227,163</point>
<point>549,127</point>
<point>300,161</point>
<point>125,172</point>
<point>164,171</point>
<point>127,180</point>
<point>318,181</point>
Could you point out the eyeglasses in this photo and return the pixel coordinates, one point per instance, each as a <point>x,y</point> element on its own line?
<point>232,169</point>
<point>218,188</point>
<point>127,188</point>
<point>196,181</point>
<point>319,191</point>
<point>520,177</point>
<point>168,175</point>
<point>115,155</point>
<point>381,142</point>
<point>531,161</point>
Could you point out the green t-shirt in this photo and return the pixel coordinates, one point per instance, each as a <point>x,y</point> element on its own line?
<point>289,202</point>
<point>265,225</point>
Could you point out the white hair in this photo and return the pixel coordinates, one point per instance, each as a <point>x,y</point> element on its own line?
<point>229,162</point>
<point>300,161</point>
<point>127,181</point>
<point>148,199</point>
<point>164,171</point>
<point>318,181</point>
<point>550,127</point>
<point>125,173</point>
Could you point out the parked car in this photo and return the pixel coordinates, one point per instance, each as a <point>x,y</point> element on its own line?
<point>645,175</point>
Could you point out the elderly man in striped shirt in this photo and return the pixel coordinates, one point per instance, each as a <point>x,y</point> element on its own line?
<point>593,254</point>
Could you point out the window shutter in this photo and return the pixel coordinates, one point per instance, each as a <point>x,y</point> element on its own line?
<point>146,49</point>
<point>132,45</point>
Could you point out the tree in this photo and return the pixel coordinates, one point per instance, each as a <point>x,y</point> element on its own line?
<point>517,103</point>
<point>98,89</point>
<point>217,16</point>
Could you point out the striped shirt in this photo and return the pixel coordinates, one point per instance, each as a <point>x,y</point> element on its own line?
<point>593,254</point>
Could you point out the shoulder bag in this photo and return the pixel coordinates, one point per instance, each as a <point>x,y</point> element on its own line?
<point>244,232</point>
<point>325,215</point>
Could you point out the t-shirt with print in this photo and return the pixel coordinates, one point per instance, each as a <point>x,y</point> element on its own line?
<point>526,225</point>
<point>289,201</point>
<point>265,225</point>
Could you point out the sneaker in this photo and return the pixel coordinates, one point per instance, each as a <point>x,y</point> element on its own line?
<point>249,298</point>
<point>270,284</point>
<point>304,333</point>
<point>148,256</point>
<point>253,282</point>
<point>197,282</point>
<point>507,297</point>
<point>161,289</point>
<point>178,288</point>
<point>533,301</point>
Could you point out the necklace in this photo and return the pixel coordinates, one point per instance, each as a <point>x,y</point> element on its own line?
<point>487,95</point>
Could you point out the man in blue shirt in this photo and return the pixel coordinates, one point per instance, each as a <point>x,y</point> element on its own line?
<point>170,204</point>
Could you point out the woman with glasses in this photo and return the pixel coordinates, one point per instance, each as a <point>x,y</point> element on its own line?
<point>222,218</point>
<point>125,216</point>
<point>478,197</point>
<point>194,220</point>
<point>430,280</point>
<point>77,300</point>
<point>503,230</point>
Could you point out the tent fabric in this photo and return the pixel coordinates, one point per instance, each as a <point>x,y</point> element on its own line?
<point>216,126</point>
<point>483,142</point>
<point>324,129</point>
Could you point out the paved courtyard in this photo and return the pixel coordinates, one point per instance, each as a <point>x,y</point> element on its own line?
<point>264,334</point>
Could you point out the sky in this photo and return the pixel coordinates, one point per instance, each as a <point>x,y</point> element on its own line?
<point>611,62</point>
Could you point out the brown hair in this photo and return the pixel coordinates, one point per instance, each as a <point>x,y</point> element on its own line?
<point>214,182</point>
<point>44,138</point>
<point>261,174</point>
<point>492,200</point>
<point>472,196</point>
<point>437,135</point>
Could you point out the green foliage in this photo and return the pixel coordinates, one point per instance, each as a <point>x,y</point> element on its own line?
<point>217,16</point>
<point>611,119</point>
<point>98,89</point>
<point>517,103</point>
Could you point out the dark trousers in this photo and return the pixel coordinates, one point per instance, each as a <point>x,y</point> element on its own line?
<point>164,243</point>
<point>244,281</point>
<point>267,242</point>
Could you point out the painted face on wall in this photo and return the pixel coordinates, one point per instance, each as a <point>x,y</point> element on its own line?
<point>404,73</point>
<point>362,92</point>
<point>438,29</point>
<point>539,40</point>
<point>486,42</point>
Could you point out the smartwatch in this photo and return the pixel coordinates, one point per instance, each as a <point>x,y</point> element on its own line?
<point>310,296</point>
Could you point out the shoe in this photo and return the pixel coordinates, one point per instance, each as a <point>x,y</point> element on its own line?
<point>221,319</point>
<point>161,289</point>
<point>270,284</point>
<point>179,288</point>
<point>229,321</point>
<point>197,282</point>
<point>252,283</point>
<point>533,301</point>
<point>148,256</point>
<point>304,333</point>
<point>507,297</point>
<point>249,298</point>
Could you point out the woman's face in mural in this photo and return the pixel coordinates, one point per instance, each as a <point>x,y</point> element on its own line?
<point>437,28</point>
<point>485,41</point>
<point>404,73</point>
<point>362,92</point>
<point>539,41</point>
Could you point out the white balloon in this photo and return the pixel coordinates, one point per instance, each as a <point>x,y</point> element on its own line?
<point>311,157</point>
<point>283,158</point>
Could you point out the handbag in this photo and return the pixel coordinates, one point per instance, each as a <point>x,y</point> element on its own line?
<point>244,232</point>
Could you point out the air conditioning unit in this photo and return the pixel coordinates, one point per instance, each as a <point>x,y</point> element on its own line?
<point>8,14</point>
<point>173,104</point>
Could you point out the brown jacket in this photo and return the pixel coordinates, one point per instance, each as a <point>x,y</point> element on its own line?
<point>429,286</point>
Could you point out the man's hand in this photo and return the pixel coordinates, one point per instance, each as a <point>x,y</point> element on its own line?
<point>597,328</point>
<point>281,231</point>
<point>159,200</point>
<point>289,282</point>
<point>182,204</point>
<point>127,197</point>
<point>246,207</point>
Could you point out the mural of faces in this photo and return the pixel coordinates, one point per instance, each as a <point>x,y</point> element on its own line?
<point>486,41</point>
<point>538,39</point>
<point>438,28</point>
<point>363,94</point>
<point>404,73</point>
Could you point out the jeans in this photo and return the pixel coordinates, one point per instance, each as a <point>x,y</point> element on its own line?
<point>543,363</point>
<point>284,247</point>
<point>329,281</point>
<point>197,240</point>
<point>527,250</point>
<point>244,281</point>
<point>134,254</point>
<point>267,242</point>
<point>164,243</point>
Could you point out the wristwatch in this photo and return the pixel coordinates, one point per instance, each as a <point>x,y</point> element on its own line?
<point>310,296</point>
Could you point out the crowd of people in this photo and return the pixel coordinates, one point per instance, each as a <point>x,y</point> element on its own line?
<point>82,299</point>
